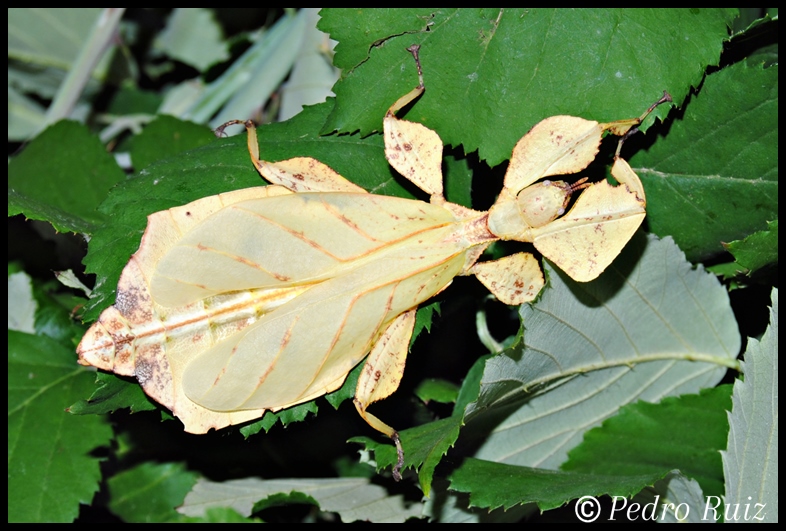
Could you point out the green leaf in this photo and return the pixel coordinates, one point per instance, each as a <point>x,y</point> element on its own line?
<point>283,499</point>
<point>685,433</point>
<point>136,106</point>
<point>451,507</point>
<point>49,470</point>
<point>757,250</point>
<point>352,498</point>
<point>458,180</point>
<point>53,313</point>
<point>437,390</point>
<point>221,515</point>
<point>491,74</point>
<point>750,462</point>
<point>493,485</point>
<point>424,446</point>
<point>112,393</point>
<point>61,177</point>
<point>639,332</point>
<point>424,317</point>
<point>675,499</point>
<point>44,45</point>
<point>36,35</point>
<point>300,412</point>
<point>296,413</point>
<point>150,492</point>
<point>714,177</point>
<point>194,37</point>
<point>471,385</point>
<point>355,28</point>
<point>165,137</point>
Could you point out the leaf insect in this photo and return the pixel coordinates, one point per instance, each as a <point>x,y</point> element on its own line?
<point>220,324</point>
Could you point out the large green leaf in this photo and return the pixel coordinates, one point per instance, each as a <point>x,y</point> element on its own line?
<point>758,250</point>
<point>166,137</point>
<point>493,485</point>
<point>714,177</point>
<point>150,492</point>
<point>643,332</point>
<point>61,177</point>
<point>50,471</point>
<point>686,433</point>
<point>491,74</point>
<point>750,462</point>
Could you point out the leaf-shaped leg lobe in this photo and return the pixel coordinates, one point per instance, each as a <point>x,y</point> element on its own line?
<point>514,279</point>
<point>384,368</point>
<point>382,374</point>
<point>589,237</point>
<point>555,146</point>
<point>415,151</point>
<point>299,174</point>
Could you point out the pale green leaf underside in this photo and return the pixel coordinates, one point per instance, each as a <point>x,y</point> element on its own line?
<point>660,329</point>
<point>750,463</point>
<point>677,499</point>
<point>193,36</point>
<point>47,37</point>
<point>352,498</point>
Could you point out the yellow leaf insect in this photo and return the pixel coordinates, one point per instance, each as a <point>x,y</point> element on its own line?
<point>264,298</point>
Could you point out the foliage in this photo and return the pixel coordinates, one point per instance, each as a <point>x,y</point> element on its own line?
<point>547,420</point>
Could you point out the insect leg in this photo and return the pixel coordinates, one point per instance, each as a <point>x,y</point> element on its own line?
<point>514,279</point>
<point>414,150</point>
<point>626,128</point>
<point>382,374</point>
<point>299,174</point>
